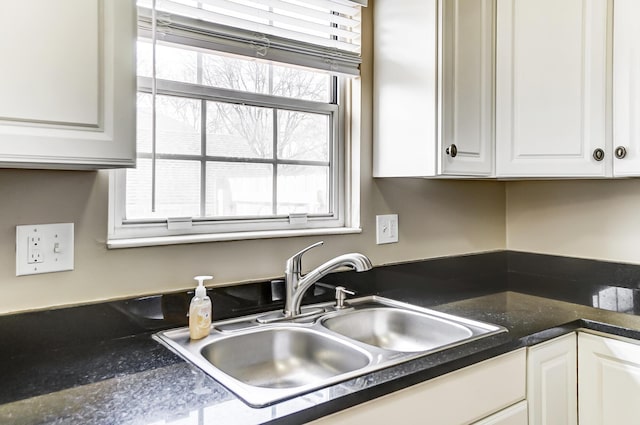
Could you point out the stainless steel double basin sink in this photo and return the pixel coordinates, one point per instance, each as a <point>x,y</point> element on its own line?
<point>266,363</point>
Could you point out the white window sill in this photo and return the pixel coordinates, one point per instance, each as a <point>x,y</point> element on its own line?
<point>218,237</point>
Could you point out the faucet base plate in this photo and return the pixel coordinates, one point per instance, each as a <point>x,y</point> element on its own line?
<point>279,316</point>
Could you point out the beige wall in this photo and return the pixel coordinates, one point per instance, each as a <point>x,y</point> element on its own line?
<point>598,219</point>
<point>589,219</point>
<point>437,218</point>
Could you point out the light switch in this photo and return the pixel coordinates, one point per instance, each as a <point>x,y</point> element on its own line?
<point>386,228</point>
<point>44,248</point>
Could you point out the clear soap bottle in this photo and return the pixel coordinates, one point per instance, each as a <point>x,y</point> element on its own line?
<point>200,311</point>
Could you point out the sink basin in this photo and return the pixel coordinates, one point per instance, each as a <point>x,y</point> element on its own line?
<point>283,358</point>
<point>263,363</point>
<point>398,330</point>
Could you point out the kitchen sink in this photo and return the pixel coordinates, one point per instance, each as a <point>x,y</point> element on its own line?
<point>263,363</point>
<point>398,330</point>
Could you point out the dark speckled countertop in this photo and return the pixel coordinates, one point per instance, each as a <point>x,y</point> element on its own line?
<point>122,376</point>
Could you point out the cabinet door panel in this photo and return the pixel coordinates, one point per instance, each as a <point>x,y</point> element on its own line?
<point>551,87</point>
<point>626,86</point>
<point>608,381</point>
<point>50,66</point>
<point>466,87</point>
<point>68,83</point>
<point>552,382</point>
<point>404,88</point>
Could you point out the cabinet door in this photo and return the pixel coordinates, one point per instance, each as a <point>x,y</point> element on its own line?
<point>466,88</point>
<point>551,84</point>
<point>626,87</point>
<point>552,382</point>
<point>608,381</point>
<point>460,397</point>
<point>404,88</point>
<point>433,87</point>
<point>68,83</point>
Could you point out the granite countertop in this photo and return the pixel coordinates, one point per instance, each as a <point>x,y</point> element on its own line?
<point>134,380</point>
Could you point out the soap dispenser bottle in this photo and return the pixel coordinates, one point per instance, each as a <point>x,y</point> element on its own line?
<point>200,311</point>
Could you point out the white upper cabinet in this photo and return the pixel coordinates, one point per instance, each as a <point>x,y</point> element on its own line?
<point>626,88</point>
<point>433,88</point>
<point>551,89</point>
<point>67,83</point>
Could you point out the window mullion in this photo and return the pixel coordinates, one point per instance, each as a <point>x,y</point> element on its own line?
<point>154,90</point>
<point>203,158</point>
<point>203,140</point>
<point>275,163</point>
<point>216,94</point>
<point>334,152</point>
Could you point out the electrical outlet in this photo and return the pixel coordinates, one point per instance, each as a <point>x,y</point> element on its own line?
<point>34,253</point>
<point>386,229</point>
<point>44,248</point>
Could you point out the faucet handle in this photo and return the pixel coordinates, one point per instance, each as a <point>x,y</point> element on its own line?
<point>294,264</point>
<point>341,295</point>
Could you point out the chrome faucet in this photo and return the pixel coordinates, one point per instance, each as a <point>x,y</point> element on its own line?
<point>296,284</point>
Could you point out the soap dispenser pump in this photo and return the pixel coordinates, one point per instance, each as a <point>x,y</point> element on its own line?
<point>200,311</point>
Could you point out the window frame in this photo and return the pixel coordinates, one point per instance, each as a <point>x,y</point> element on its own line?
<point>345,219</point>
<point>344,107</point>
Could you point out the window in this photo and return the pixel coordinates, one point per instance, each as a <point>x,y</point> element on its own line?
<point>240,121</point>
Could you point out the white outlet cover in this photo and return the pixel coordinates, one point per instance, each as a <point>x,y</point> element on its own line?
<point>55,248</point>
<point>386,229</point>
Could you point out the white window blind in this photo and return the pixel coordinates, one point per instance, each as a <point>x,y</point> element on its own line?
<point>320,34</point>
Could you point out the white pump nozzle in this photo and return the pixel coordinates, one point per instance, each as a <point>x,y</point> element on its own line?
<point>201,291</point>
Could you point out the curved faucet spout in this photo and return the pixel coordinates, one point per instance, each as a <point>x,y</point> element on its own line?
<point>296,285</point>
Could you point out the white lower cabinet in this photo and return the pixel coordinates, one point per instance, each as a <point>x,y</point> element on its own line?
<point>514,415</point>
<point>551,382</point>
<point>596,382</point>
<point>609,381</point>
<point>461,397</point>
<point>576,378</point>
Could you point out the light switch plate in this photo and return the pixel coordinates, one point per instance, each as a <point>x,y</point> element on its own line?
<point>44,248</point>
<point>386,228</point>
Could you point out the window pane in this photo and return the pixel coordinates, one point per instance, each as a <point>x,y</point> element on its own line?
<point>172,63</point>
<point>303,189</point>
<point>144,55</point>
<point>239,131</point>
<point>235,190</point>
<point>144,121</point>
<point>176,64</point>
<point>228,72</point>
<point>303,135</point>
<point>139,190</point>
<point>178,125</point>
<point>253,76</point>
<point>178,188</point>
<point>299,83</point>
